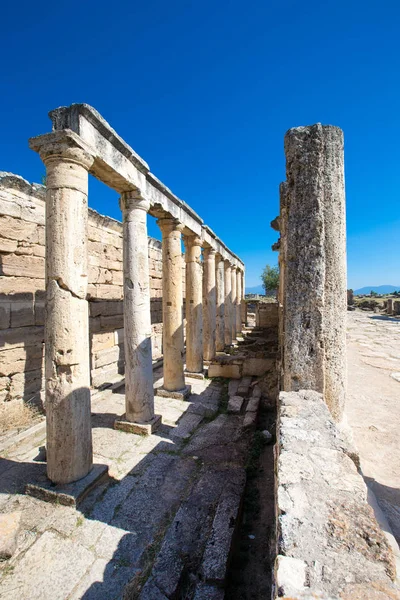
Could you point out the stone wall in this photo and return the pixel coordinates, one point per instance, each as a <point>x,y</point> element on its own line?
<point>22,297</point>
<point>266,314</point>
<point>329,544</point>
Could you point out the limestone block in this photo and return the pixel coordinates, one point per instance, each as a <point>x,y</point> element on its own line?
<point>103,291</point>
<point>257,367</point>
<point>23,266</point>
<point>107,356</point>
<point>230,371</point>
<point>19,360</point>
<point>290,575</point>
<point>8,246</point>
<point>39,313</point>
<point>22,314</point>
<point>5,315</point>
<point>22,336</point>
<point>26,385</point>
<point>9,528</point>
<point>101,341</point>
<point>111,322</point>
<point>18,285</point>
<point>235,404</point>
<point>267,314</point>
<point>16,229</point>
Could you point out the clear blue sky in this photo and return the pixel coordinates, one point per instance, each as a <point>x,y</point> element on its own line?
<point>205,91</point>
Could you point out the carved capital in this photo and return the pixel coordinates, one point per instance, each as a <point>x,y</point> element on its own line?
<point>133,200</point>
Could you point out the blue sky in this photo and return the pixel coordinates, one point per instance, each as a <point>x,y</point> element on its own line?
<point>205,92</point>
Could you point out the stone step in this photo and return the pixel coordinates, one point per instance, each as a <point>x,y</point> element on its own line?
<point>195,553</point>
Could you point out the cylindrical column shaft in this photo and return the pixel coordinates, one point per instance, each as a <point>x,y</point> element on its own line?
<point>228,304</point>
<point>233,303</point>
<point>139,394</point>
<point>238,301</point>
<point>220,286</point>
<point>209,304</point>
<point>194,304</point>
<point>172,303</point>
<point>315,272</point>
<point>68,419</point>
<point>243,309</point>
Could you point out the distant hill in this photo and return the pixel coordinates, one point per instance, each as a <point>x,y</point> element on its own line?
<point>379,289</point>
<point>258,289</point>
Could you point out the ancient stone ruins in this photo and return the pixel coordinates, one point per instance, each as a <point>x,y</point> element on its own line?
<point>155,382</point>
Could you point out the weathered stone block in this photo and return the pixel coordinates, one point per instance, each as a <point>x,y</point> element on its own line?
<point>22,314</point>
<point>230,371</point>
<point>9,528</point>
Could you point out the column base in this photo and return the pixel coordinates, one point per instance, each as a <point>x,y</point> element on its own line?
<point>68,494</point>
<point>139,428</point>
<point>177,394</point>
<point>194,375</point>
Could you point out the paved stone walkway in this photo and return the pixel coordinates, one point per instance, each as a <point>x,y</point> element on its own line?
<point>373,405</point>
<point>172,499</point>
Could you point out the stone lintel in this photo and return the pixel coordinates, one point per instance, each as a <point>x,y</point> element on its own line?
<point>139,428</point>
<point>118,165</point>
<point>176,395</point>
<point>68,494</point>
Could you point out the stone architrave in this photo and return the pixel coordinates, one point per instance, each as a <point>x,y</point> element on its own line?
<point>238,301</point>
<point>139,393</point>
<point>194,304</point>
<point>173,344</point>
<point>228,303</point>
<point>315,271</point>
<point>220,285</point>
<point>233,303</point>
<point>67,370</point>
<point>209,303</point>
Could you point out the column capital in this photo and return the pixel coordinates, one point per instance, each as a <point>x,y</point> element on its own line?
<point>169,224</point>
<point>192,240</point>
<point>133,199</point>
<point>60,146</point>
<point>209,252</point>
<point>219,258</point>
<point>228,263</point>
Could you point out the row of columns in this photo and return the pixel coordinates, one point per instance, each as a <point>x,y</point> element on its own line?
<point>214,289</point>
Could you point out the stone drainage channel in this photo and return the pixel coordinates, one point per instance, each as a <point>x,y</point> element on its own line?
<point>177,519</point>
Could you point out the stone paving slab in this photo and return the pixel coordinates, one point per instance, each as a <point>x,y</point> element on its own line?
<point>112,540</point>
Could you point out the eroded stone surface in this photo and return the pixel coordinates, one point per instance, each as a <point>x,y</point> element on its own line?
<point>324,519</point>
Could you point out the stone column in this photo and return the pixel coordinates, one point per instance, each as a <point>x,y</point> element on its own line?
<point>172,303</point>
<point>139,394</point>
<point>220,285</point>
<point>67,370</point>
<point>233,302</point>
<point>238,301</point>
<point>315,271</point>
<point>243,308</point>
<point>228,304</point>
<point>194,304</point>
<point>209,303</point>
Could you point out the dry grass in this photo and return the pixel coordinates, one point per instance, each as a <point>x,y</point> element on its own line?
<point>16,415</point>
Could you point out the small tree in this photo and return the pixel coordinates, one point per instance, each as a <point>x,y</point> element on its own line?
<point>270,278</point>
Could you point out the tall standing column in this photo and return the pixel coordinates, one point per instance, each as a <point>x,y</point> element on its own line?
<point>233,303</point>
<point>172,304</point>
<point>139,394</point>
<point>194,304</point>
<point>315,272</point>
<point>228,303</point>
<point>67,371</point>
<point>209,304</point>
<point>243,309</point>
<point>238,301</point>
<point>220,285</point>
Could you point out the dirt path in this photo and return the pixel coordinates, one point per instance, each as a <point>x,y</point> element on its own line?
<point>373,405</point>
